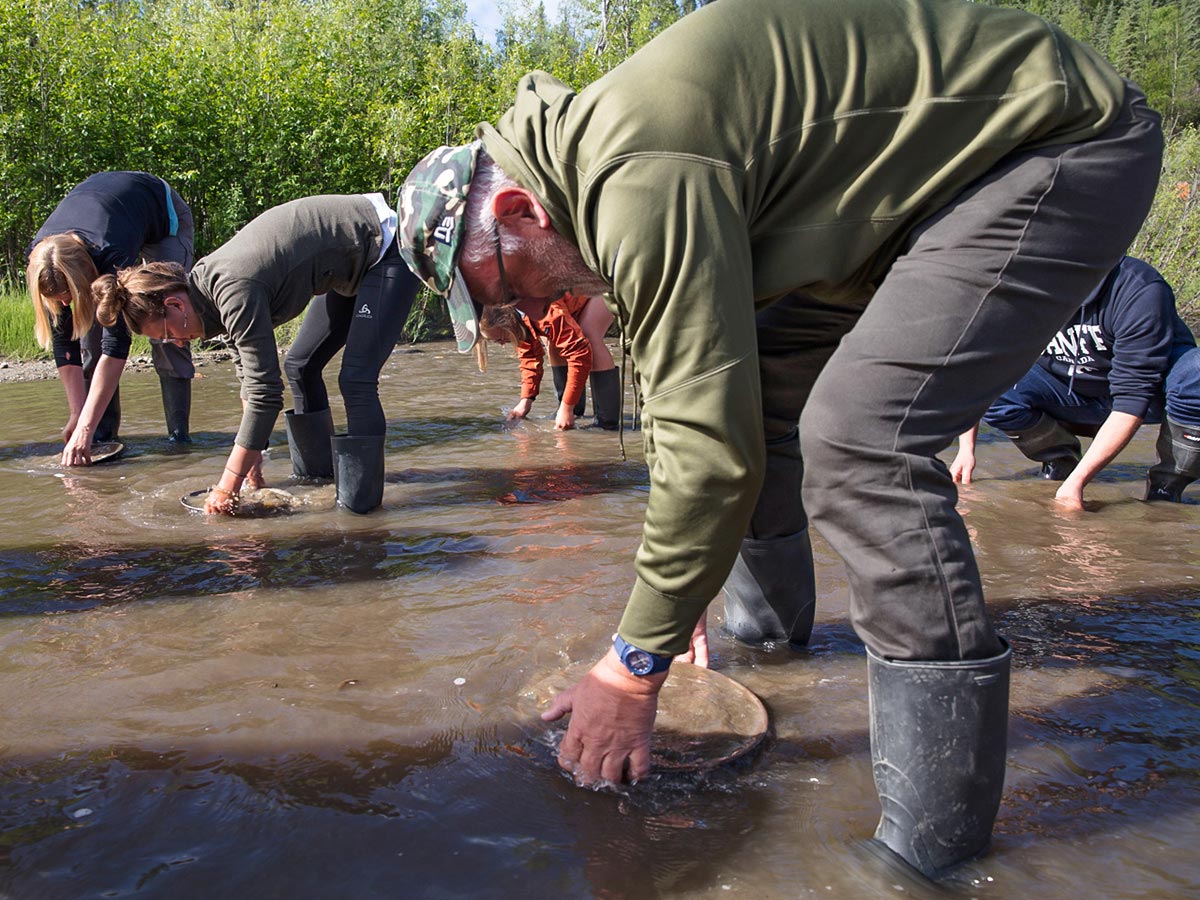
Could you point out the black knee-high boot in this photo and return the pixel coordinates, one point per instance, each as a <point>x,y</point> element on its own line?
<point>1051,444</point>
<point>1177,464</point>
<point>939,732</point>
<point>606,398</point>
<point>309,445</point>
<point>559,375</point>
<point>177,407</point>
<point>358,472</point>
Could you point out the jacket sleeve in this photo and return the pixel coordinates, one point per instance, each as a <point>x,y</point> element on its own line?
<point>246,313</point>
<point>565,336</point>
<point>681,270</point>
<point>529,357</point>
<point>1142,337</point>
<point>66,348</point>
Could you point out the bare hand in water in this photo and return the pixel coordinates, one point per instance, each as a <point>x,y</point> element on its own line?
<point>78,451</point>
<point>220,502</point>
<point>612,716</point>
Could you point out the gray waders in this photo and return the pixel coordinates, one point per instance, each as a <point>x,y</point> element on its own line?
<point>939,735</point>
<point>770,594</point>
<point>606,398</point>
<point>177,407</point>
<point>1177,462</point>
<point>309,436</point>
<point>559,376</point>
<point>1050,443</point>
<point>358,472</point>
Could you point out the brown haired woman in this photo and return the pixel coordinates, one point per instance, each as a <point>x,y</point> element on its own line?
<point>341,247</point>
<point>573,328</point>
<point>109,221</point>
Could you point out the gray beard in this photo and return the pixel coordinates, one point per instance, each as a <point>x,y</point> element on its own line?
<point>562,263</point>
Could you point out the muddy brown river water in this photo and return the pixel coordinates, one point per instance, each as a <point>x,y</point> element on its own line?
<point>324,705</point>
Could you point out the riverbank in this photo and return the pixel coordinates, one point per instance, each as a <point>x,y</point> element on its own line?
<point>16,370</point>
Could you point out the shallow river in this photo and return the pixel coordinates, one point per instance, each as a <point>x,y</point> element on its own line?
<point>328,705</point>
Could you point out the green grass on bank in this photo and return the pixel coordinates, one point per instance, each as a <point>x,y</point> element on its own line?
<point>428,321</point>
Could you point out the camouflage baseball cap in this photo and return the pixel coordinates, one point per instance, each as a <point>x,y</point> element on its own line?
<point>433,201</point>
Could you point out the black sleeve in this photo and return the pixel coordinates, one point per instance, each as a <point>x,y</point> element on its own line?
<point>67,351</point>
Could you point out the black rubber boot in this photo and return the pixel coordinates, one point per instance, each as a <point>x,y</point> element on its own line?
<point>110,423</point>
<point>177,407</point>
<point>309,436</point>
<point>939,733</point>
<point>771,593</point>
<point>606,398</point>
<point>559,375</point>
<point>1177,462</point>
<point>1050,443</point>
<point>358,472</point>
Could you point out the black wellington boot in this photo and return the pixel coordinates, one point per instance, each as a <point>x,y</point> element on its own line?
<point>110,421</point>
<point>559,375</point>
<point>177,407</point>
<point>606,398</point>
<point>358,472</point>
<point>1051,444</point>
<point>1177,462</point>
<point>939,733</point>
<point>309,436</point>
<point>771,592</point>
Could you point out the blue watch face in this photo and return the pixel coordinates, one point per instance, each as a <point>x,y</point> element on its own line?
<point>639,662</point>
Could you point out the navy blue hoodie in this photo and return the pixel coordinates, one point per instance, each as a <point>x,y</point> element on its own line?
<point>1123,340</point>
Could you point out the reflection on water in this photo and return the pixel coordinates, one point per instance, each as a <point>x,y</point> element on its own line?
<point>320,704</point>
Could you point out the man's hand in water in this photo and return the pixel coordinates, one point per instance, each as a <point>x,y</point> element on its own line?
<point>1070,496</point>
<point>612,714</point>
<point>697,652</point>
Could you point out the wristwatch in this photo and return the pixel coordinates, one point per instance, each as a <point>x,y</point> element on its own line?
<point>637,661</point>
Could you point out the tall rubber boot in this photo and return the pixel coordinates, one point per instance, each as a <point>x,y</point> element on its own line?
<point>110,421</point>
<point>771,592</point>
<point>606,398</point>
<point>309,436</point>
<point>559,375</point>
<point>177,407</point>
<point>1051,444</point>
<point>1177,462</point>
<point>358,472</point>
<point>939,734</point>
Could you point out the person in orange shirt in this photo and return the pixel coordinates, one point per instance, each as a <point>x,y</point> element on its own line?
<point>573,328</point>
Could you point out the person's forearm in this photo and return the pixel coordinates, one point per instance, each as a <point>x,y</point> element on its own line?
<point>967,440</point>
<point>239,464</point>
<point>72,382</point>
<point>1110,440</point>
<point>104,385</point>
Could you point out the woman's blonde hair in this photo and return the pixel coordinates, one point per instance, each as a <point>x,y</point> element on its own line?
<point>137,293</point>
<point>61,266</point>
<point>503,322</point>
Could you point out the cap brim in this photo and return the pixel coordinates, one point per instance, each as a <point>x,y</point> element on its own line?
<point>463,316</point>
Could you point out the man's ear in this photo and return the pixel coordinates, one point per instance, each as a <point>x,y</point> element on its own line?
<point>516,207</point>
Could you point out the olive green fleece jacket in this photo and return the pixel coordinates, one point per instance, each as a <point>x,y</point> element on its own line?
<point>266,274</point>
<point>755,147</point>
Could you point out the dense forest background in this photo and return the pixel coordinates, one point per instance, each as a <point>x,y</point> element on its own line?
<point>242,104</point>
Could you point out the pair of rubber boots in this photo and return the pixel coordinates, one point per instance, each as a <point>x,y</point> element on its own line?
<point>354,463</point>
<point>606,395</point>
<point>177,409</point>
<point>1177,450</point>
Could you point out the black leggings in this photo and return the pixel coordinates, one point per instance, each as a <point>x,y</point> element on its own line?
<point>368,326</point>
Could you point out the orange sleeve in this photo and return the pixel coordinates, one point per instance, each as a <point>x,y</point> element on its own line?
<point>565,335</point>
<point>529,357</point>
